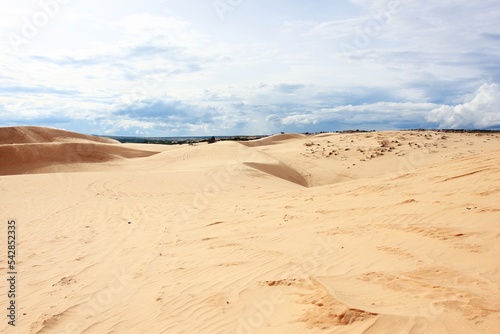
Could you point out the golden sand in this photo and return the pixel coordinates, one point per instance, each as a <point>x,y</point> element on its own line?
<point>382,232</point>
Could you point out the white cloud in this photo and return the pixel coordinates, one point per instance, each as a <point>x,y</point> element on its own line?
<point>159,30</point>
<point>481,112</point>
<point>282,59</point>
<point>379,112</point>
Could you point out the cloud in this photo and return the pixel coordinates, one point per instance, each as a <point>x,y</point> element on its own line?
<point>37,108</point>
<point>151,109</point>
<point>289,88</point>
<point>432,88</point>
<point>36,89</point>
<point>174,69</point>
<point>491,36</point>
<point>154,109</point>
<point>482,112</point>
<point>378,115</point>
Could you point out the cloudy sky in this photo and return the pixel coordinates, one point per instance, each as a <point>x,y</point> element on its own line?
<point>224,67</point>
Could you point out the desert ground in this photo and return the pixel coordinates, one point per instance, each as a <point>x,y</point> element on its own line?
<point>379,232</point>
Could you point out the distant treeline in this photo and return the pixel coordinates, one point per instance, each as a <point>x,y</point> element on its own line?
<point>435,130</point>
<point>213,139</point>
<point>180,140</point>
<point>457,130</point>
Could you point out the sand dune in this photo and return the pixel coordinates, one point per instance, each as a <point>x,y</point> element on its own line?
<point>41,150</point>
<point>280,170</point>
<point>386,232</point>
<point>271,140</point>
<point>34,134</point>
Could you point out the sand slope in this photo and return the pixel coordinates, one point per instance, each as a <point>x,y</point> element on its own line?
<point>41,150</point>
<point>338,233</point>
<point>35,134</point>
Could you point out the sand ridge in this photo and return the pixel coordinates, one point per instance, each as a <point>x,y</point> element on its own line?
<point>335,233</point>
<point>41,150</point>
<point>35,134</point>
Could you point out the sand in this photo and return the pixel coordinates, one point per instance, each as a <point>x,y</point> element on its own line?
<point>384,232</point>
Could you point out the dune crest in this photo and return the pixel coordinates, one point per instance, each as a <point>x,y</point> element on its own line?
<point>271,140</point>
<point>37,135</point>
<point>42,150</point>
<point>280,170</point>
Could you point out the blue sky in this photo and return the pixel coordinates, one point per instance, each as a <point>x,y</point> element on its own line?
<point>224,67</point>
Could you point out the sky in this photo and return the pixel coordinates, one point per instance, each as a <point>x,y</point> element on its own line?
<point>248,67</point>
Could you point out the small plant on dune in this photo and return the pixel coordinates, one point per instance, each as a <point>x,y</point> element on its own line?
<point>385,143</point>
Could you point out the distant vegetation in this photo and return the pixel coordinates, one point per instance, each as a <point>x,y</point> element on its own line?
<point>457,130</point>
<point>212,139</point>
<point>181,140</point>
<point>435,130</point>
